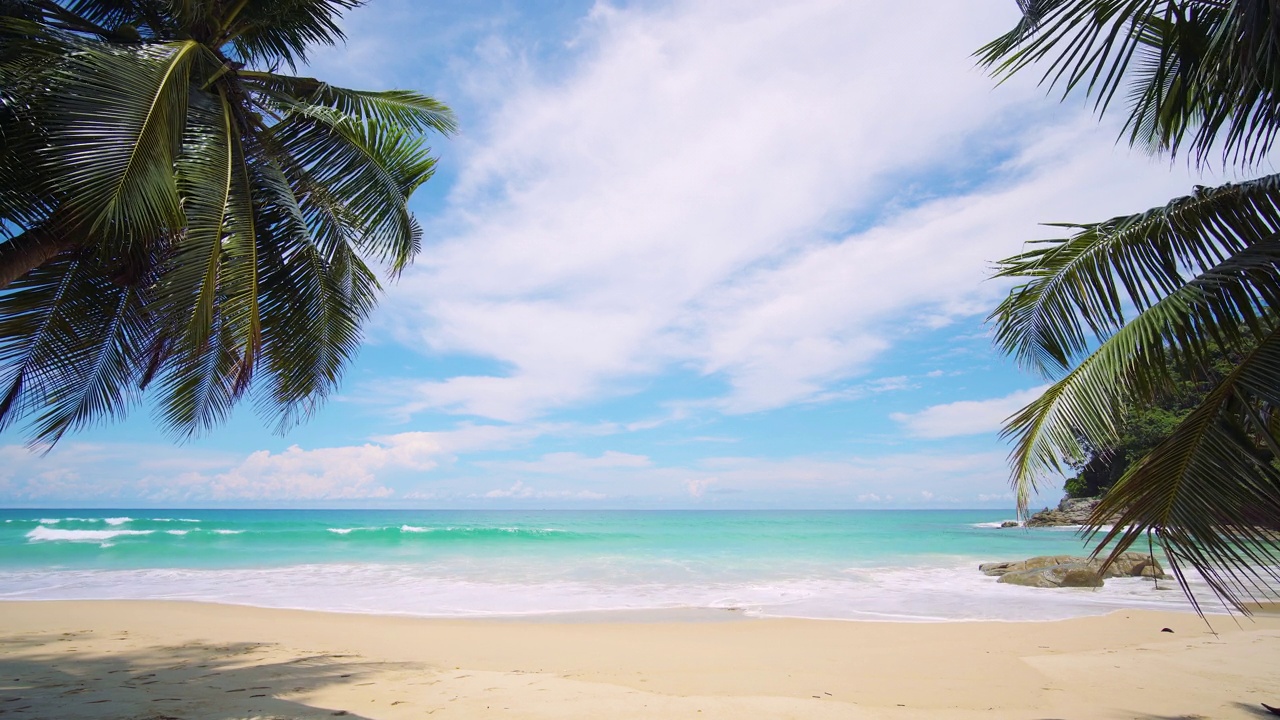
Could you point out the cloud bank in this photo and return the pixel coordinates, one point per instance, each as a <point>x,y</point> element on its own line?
<point>765,195</point>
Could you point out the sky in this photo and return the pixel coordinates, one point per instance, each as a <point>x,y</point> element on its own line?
<point>682,254</point>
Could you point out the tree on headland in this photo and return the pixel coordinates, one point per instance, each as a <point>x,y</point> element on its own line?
<point>1122,311</point>
<point>177,215</point>
<point>1141,427</point>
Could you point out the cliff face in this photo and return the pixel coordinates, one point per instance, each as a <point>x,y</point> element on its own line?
<point>1069,512</point>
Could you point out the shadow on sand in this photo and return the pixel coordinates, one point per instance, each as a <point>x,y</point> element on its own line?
<point>47,676</point>
<point>1251,709</point>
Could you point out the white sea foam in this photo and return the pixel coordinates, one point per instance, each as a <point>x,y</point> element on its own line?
<point>50,521</point>
<point>416,529</point>
<point>117,520</point>
<point>177,532</point>
<point>43,533</point>
<point>348,531</point>
<point>996,524</point>
<point>228,532</point>
<point>909,594</point>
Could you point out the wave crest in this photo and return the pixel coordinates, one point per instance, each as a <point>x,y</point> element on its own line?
<point>46,534</point>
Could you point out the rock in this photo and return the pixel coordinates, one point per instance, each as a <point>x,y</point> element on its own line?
<point>1000,568</point>
<point>1070,511</point>
<point>995,568</point>
<point>1055,576</point>
<point>1129,564</point>
<point>1134,565</point>
<point>1010,523</point>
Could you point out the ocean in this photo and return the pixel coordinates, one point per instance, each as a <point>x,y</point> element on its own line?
<point>859,565</point>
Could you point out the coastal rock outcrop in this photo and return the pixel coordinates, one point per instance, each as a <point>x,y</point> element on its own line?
<point>1070,511</point>
<point>1065,575</point>
<point>1071,571</point>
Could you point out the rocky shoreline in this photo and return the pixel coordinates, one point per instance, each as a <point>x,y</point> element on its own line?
<point>1071,511</point>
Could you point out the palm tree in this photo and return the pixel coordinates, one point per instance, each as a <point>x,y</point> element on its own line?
<point>1121,309</point>
<point>177,215</point>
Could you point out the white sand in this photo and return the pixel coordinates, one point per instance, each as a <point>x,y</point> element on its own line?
<point>165,660</point>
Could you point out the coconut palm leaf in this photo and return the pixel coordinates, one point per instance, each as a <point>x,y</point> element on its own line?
<point>368,168</point>
<point>400,108</point>
<point>240,204</point>
<point>1209,493</point>
<point>70,349</point>
<point>26,51</point>
<point>1200,72</point>
<point>1080,287</point>
<point>328,290</point>
<point>1201,269</point>
<point>122,115</point>
<point>1137,363</point>
<point>104,14</point>
<point>1126,307</point>
<point>1225,239</point>
<point>199,389</point>
<point>281,31</point>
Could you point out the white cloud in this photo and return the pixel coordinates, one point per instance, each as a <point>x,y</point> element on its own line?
<point>519,490</point>
<point>386,471</point>
<point>966,417</point>
<point>698,486</point>
<point>174,475</point>
<point>570,463</point>
<point>893,480</point>
<point>345,472</point>
<point>680,199</point>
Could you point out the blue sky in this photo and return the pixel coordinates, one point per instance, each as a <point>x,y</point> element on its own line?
<point>682,254</point>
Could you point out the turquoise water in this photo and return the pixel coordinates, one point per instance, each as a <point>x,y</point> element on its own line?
<point>906,565</point>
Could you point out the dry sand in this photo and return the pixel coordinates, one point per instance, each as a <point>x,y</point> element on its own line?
<point>165,660</point>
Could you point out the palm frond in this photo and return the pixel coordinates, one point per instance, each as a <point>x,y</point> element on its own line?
<point>70,344</point>
<point>1207,71</point>
<point>211,291</point>
<point>121,122</point>
<point>369,169</point>
<point>400,108</point>
<point>1080,287</point>
<point>220,218</point>
<point>327,291</point>
<point>1136,364</point>
<point>1210,493</point>
<point>29,54</point>
<point>205,173</point>
<point>269,33</point>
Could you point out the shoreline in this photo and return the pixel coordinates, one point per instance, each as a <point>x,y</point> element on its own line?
<point>188,660</point>
<point>672,615</point>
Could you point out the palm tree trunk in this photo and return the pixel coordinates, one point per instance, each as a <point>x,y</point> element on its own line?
<point>23,253</point>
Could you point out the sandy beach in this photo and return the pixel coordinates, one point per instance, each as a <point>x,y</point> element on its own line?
<point>188,661</point>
